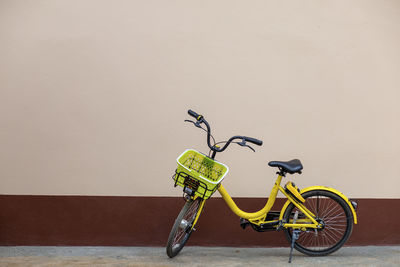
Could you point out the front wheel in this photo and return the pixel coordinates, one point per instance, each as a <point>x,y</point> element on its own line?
<point>183,227</point>
<point>335,215</point>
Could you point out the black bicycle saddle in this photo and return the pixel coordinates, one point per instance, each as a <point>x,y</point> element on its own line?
<point>292,166</point>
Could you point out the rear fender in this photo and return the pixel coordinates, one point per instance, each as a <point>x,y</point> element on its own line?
<point>307,189</point>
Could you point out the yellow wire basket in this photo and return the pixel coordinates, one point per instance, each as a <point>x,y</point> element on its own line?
<point>199,173</point>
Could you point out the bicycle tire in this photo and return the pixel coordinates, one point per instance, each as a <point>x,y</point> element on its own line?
<point>337,217</point>
<point>183,227</point>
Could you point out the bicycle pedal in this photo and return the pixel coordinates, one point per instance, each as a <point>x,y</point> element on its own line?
<point>244,223</point>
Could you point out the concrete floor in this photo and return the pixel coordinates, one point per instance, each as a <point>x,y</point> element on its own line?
<point>193,256</point>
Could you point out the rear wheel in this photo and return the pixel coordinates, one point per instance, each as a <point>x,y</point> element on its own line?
<point>335,215</point>
<point>183,227</point>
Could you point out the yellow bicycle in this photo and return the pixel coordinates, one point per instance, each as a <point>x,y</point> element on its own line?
<point>316,220</point>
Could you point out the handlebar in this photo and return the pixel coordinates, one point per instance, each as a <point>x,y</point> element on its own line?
<point>194,114</point>
<point>200,119</point>
<point>253,140</point>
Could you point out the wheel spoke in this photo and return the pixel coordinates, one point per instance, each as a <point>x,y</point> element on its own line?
<point>339,230</point>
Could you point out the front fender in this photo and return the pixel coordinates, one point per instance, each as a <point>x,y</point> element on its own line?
<point>325,189</point>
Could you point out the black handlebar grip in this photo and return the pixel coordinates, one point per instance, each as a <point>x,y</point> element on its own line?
<point>193,114</point>
<point>253,140</point>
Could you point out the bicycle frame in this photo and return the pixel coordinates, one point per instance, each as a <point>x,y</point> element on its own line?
<point>259,216</point>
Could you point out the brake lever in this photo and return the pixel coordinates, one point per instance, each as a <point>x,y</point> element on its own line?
<point>197,124</point>
<point>243,143</point>
<point>250,148</point>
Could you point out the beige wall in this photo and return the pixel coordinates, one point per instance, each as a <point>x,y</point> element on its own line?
<point>93,94</point>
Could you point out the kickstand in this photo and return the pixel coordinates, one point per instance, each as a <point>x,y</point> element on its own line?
<point>295,235</point>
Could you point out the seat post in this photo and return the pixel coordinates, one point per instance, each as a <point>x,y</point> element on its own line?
<point>281,172</point>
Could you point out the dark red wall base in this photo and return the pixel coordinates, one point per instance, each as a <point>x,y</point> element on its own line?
<point>146,221</point>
